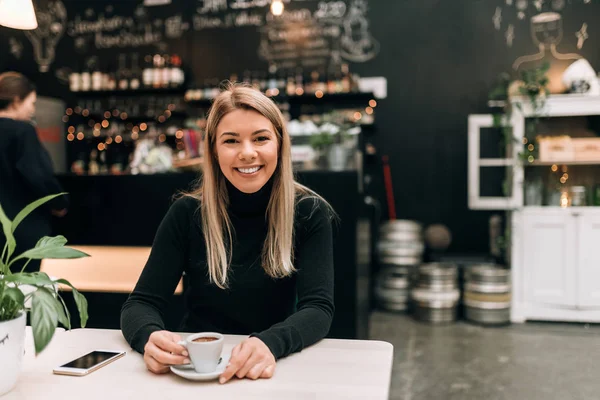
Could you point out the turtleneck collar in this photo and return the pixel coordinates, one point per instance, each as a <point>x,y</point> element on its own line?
<point>241,203</point>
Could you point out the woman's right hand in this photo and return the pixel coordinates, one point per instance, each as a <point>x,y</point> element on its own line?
<point>162,351</point>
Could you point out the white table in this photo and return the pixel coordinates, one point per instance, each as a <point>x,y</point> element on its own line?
<point>331,369</point>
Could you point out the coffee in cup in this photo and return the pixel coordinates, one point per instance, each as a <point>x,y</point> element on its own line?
<point>204,350</point>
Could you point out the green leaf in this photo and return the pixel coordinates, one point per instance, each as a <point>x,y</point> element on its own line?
<point>82,305</point>
<point>62,316</point>
<point>43,318</point>
<point>15,295</point>
<point>61,252</point>
<point>39,279</point>
<point>49,241</point>
<point>8,233</point>
<point>67,314</point>
<point>30,207</point>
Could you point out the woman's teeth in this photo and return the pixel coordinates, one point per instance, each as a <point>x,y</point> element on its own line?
<point>248,170</point>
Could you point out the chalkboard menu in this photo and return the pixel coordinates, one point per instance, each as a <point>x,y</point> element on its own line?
<point>215,38</point>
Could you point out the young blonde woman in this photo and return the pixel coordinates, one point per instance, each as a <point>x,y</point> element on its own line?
<point>255,245</point>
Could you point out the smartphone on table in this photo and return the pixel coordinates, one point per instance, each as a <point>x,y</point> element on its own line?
<point>89,362</point>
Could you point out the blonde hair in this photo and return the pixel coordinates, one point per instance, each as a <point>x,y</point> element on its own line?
<point>277,252</point>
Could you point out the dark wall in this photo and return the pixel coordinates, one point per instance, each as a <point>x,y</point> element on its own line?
<point>440,58</point>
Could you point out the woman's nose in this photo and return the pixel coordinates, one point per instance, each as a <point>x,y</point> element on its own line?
<point>247,152</point>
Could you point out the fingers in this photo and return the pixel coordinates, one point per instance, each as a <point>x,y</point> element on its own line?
<point>154,366</point>
<point>268,372</point>
<point>239,355</point>
<point>168,343</point>
<point>256,371</point>
<point>162,350</point>
<point>251,359</point>
<point>165,357</point>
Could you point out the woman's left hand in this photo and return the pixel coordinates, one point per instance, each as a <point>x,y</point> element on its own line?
<point>250,359</point>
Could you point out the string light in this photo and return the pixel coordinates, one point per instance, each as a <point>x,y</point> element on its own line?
<point>319,94</point>
<point>118,139</point>
<point>69,111</point>
<point>369,110</point>
<point>357,115</point>
<point>70,137</point>
<point>85,112</point>
<point>123,116</point>
<point>530,147</point>
<point>143,126</point>
<point>115,113</point>
<point>161,119</point>
<point>107,114</point>
<point>162,137</point>
<point>525,140</point>
<point>373,103</point>
<point>109,140</point>
<point>101,146</point>
<point>554,168</point>
<point>80,136</point>
<point>105,123</point>
<point>71,129</point>
<point>179,134</point>
<point>97,126</point>
<point>135,136</point>
<point>299,91</point>
<point>96,132</point>
<point>530,159</point>
<point>65,119</point>
<point>277,7</point>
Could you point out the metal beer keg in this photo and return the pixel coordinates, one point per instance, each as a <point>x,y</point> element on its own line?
<point>435,295</point>
<point>392,289</point>
<point>487,295</point>
<point>400,243</point>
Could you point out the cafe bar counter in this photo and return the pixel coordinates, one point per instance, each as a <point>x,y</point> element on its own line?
<point>115,218</point>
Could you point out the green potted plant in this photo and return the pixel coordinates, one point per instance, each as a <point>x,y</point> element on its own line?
<point>34,293</point>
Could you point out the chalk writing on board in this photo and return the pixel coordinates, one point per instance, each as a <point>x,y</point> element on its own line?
<point>52,20</point>
<point>357,43</point>
<point>16,47</point>
<point>212,6</point>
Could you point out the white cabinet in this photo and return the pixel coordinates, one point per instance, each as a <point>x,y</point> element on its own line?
<point>588,262</point>
<point>556,264</point>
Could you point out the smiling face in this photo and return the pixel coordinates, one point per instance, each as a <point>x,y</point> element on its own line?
<point>247,149</point>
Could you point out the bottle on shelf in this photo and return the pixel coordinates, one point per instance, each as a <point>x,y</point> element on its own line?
<point>75,80</point>
<point>346,79</point>
<point>86,79</point>
<point>148,71</point>
<point>123,73</point>
<point>177,78</point>
<point>136,73</point>
<point>157,74</point>
<point>165,80</point>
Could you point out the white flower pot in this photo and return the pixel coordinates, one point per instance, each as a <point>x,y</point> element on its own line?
<point>12,341</point>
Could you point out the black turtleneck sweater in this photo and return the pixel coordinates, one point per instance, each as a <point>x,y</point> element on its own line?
<point>286,314</point>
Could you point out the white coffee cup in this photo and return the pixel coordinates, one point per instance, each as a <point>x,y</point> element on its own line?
<point>204,355</point>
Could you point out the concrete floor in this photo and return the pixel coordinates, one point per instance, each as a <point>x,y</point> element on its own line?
<point>462,361</point>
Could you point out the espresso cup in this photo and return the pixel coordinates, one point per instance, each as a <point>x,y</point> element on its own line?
<point>204,350</point>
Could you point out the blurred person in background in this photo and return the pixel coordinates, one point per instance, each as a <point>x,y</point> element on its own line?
<point>26,172</point>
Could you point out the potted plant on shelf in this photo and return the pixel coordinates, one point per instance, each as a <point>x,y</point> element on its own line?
<point>34,293</point>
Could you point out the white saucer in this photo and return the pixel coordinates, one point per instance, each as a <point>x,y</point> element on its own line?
<point>187,371</point>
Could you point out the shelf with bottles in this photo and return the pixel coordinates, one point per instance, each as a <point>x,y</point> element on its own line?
<point>295,85</point>
<point>562,185</point>
<point>94,112</point>
<point>119,148</point>
<point>158,74</point>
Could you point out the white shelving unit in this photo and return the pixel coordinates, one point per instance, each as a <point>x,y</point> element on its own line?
<point>555,256</point>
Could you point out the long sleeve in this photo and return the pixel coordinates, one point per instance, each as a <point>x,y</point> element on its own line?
<point>35,166</point>
<point>314,263</point>
<point>143,311</point>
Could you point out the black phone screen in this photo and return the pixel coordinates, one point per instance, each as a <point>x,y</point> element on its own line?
<point>90,359</point>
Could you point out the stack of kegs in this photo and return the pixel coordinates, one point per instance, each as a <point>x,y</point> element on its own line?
<point>400,250</point>
<point>435,294</point>
<point>487,295</point>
